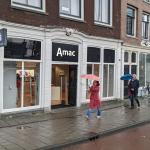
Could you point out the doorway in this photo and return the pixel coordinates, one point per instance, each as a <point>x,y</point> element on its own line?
<point>64,85</point>
<point>132,69</point>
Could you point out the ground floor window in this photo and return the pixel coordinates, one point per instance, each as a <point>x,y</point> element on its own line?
<point>91,69</point>
<point>142,67</point>
<point>21,84</point>
<point>148,68</point>
<point>108,80</point>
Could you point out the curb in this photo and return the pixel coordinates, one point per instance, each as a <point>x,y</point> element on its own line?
<point>95,136</point>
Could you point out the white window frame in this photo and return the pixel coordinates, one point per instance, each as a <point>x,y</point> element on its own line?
<point>111,14</point>
<point>27,7</point>
<point>148,26</point>
<point>135,18</point>
<point>80,18</point>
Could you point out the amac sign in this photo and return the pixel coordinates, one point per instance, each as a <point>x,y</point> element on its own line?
<point>64,52</point>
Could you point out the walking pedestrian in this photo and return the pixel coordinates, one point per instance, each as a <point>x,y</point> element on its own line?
<point>94,100</point>
<point>133,90</point>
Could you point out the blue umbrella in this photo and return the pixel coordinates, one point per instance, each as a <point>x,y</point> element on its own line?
<point>126,77</point>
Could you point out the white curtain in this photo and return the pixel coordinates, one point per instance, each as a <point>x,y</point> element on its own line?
<point>20,1</point>
<point>75,10</point>
<point>65,6</point>
<point>102,10</point>
<point>35,3</point>
<point>97,8</point>
<point>105,11</point>
<point>71,7</point>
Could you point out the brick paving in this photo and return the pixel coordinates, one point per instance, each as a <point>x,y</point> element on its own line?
<point>50,130</point>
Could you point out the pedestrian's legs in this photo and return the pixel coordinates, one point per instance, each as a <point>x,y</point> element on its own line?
<point>88,113</point>
<point>136,99</point>
<point>98,112</point>
<point>132,101</point>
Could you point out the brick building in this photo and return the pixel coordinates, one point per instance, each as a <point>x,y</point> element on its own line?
<point>135,36</point>
<point>51,43</point>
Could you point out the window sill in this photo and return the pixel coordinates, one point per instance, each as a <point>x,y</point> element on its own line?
<point>130,36</point>
<point>42,12</point>
<point>72,18</point>
<point>143,39</point>
<point>103,25</point>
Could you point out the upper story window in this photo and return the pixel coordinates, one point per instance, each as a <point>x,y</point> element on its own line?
<point>71,8</point>
<point>103,12</point>
<point>126,57</point>
<point>145,26</point>
<point>133,57</point>
<point>131,21</point>
<point>36,5</point>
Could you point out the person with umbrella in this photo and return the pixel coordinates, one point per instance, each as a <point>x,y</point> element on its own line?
<point>94,100</point>
<point>133,86</point>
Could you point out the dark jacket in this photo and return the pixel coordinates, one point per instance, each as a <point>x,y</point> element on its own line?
<point>133,86</point>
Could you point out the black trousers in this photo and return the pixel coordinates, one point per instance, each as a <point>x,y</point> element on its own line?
<point>134,97</point>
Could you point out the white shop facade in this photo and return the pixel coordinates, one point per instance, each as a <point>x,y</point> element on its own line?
<point>41,68</point>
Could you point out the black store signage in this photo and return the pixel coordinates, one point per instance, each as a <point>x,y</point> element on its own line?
<point>64,52</point>
<point>93,54</point>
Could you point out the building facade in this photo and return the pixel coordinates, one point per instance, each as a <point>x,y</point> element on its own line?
<point>51,44</point>
<point>135,36</point>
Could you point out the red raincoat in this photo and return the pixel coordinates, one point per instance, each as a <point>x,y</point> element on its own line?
<point>94,97</point>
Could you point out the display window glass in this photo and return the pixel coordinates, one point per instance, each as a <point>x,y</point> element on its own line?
<point>21,84</point>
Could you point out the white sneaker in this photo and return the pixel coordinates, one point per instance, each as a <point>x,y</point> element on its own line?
<point>98,117</point>
<point>87,117</point>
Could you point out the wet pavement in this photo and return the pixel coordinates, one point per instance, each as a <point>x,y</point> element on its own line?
<point>137,138</point>
<point>67,126</point>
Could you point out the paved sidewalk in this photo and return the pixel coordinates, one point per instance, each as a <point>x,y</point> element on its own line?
<point>49,131</point>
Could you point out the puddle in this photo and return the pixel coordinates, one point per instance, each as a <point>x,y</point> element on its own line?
<point>23,127</point>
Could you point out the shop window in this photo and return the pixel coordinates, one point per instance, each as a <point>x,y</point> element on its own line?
<point>31,84</point>
<point>148,68</point>
<point>108,80</point>
<point>109,56</point>
<point>142,60</point>
<point>22,49</point>
<point>93,54</point>
<point>103,11</point>
<point>70,8</point>
<point>133,69</point>
<point>126,57</point>
<point>133,57</point>
<point>91,69</point>
<point>21,84</point>
<point>37,5</point>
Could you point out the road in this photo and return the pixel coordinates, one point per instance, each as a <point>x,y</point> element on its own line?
<point>137,138</point>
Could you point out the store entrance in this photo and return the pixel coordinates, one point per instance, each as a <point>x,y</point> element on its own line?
<point>64,85</point>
